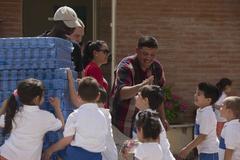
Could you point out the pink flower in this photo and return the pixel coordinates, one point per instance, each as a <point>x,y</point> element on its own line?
<point>175,97</point>
<point>183,107</point>
<point>168,105</point>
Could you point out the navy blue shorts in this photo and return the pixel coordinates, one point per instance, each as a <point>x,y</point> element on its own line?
<point>208,156</point>
<point>78,153</point>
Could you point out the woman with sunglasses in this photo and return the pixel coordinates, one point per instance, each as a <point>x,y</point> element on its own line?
<point>95,54</point>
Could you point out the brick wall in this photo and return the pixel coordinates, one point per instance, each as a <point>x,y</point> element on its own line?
<point>104,30</point>
<point>10,18</point>
<point>199,40</point>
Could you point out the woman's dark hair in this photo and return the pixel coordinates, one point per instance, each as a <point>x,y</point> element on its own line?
<point>149,123</point>
<point>222,83</point>
<point>154,94</point>
<point>60,30</point>
<point>26,91</point>
<point>88,50</point>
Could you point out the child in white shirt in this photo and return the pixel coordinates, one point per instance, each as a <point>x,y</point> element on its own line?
<point>111,150</point>
<point>205,139</point>
<point>229,147</point>
<point>224,87</point>
<point>148,131</point>
<point>26,123</point>
<point>150,98</point>
<point>86,128</point>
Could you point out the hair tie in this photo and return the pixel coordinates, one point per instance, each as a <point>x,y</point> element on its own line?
<point>15,94</point>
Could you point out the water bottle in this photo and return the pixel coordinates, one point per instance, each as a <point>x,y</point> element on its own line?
<point>21,74</point>
<point>5,75</point>
<point>48,73</point>
<point>31,73</point>
<point>5,85</point>
<point>25,42</point>
<point>14,74</point>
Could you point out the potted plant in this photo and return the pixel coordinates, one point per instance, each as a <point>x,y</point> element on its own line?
<point>181,132</point>
<point>174,105</point>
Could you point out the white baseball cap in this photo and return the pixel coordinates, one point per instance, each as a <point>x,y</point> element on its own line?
<point>68,16</point>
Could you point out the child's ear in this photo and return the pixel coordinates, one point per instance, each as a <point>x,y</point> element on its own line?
<point>210,100</point>
<point>37,100</point>
<point>98,97</point>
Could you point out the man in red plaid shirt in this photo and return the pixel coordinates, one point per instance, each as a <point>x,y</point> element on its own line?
<point>131,74</point>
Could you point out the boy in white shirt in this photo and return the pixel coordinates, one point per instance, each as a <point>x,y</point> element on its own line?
<point>205,139</point>
<point>111,150</point>
<point>229,147</point>
<point>86,128</point>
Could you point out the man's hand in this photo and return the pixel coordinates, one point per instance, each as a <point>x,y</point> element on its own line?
<point>149,81</point>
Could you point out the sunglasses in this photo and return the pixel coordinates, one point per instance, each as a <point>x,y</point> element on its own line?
<point>105,51</point>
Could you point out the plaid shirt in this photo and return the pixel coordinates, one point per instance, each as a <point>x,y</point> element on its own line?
<point>129,73</point>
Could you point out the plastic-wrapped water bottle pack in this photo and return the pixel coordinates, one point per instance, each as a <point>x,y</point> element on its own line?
<point>43,58</point>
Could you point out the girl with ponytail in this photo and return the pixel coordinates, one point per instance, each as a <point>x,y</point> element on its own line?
<point>26,123</point>
<point>95,54</point>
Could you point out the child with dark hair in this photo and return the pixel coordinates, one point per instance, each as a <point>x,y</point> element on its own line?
<point>111,150</point>
<point>224,87</point>
<point>205,139</point>
<point>148,131</point>
<point>86,128</point>
<point>230,137</point>
<point>150,98</point>
<point>95,54</point>
<point>26,123</point>
<point>103,97</point>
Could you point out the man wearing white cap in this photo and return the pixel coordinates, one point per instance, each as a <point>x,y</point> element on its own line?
<point>67,25</point>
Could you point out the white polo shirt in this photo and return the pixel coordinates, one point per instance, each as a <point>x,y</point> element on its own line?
<point>88,126</point>
<point>165,145</point>
<point>111,152</point>
<point>149,151</point>
<point>26,138</point>
<point>217,112</point>
<point>230,139</point>
<point>206,124</point>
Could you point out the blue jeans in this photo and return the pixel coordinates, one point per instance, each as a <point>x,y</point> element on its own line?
<point>208,156</point>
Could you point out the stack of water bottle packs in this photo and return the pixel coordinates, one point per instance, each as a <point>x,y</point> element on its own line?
<point>42,58</point>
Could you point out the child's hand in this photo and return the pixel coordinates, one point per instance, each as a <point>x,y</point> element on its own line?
<point>183,153</point>
<point>69,74</point>
<point>128,148</point>
<point>124,153</point>
<point>47,154</point>
<point>55,102</point>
